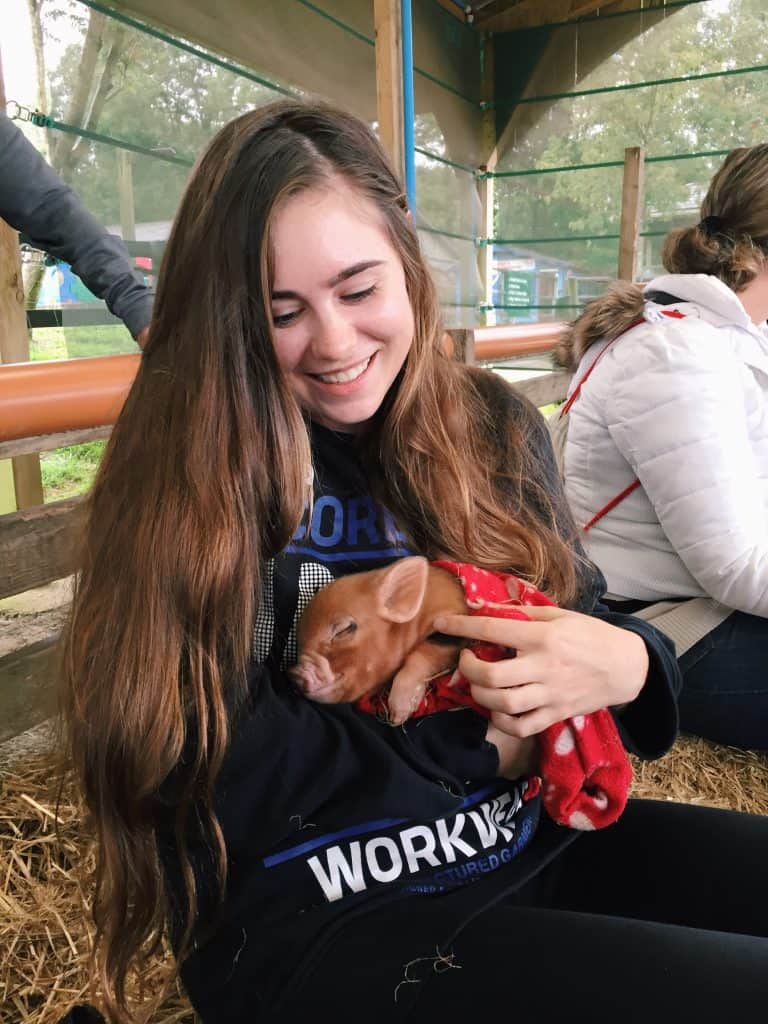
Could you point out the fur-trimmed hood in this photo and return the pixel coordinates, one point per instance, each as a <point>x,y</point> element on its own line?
<point>605,317</point>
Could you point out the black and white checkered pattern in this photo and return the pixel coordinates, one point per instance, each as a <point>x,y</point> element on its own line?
<point>312,577</point>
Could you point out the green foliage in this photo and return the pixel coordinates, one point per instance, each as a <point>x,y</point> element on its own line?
<point>70,471</point>
<point>704,115</point>
<point>78,342</point>
<point>166,99</point>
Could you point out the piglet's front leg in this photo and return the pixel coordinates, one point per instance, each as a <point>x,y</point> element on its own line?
<point>422,665</point>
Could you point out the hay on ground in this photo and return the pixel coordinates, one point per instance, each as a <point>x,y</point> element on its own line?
<point>45,926</point>
<point>698,772</point>
<point>45,929</point>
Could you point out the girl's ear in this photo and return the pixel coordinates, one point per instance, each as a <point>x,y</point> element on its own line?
<point>400,593</point>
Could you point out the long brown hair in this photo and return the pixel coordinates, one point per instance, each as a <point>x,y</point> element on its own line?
<point>206,475</point>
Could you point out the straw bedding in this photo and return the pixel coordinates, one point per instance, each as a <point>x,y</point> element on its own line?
<point>44,923</point>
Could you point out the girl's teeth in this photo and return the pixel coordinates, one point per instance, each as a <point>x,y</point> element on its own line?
<point>347,375</point>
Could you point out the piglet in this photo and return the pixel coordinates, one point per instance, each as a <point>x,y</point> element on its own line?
<point>372,628</point>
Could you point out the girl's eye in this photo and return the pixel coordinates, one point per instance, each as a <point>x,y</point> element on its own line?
<point>284,319</point>
<point>343,629</point>
<point>359,296</point>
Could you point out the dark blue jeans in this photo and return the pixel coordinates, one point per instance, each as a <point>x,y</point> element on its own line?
<point>725,684</point>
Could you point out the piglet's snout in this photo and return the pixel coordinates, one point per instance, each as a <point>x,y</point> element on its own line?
<point>314,675</point>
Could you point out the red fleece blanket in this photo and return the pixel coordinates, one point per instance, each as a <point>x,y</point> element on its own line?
<point>585,773</point>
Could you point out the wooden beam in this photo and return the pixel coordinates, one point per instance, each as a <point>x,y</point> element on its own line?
<point>631,212</point>
<point>14,340</point>
<point>579,10</point>
<point>535,13</point>
<point>39,545</point>
<point>482,10</point>
<point>389,80</point>
<point>50,442</point>
<point>14,343</point>
<point>453,9</point>
<point>27,687</point>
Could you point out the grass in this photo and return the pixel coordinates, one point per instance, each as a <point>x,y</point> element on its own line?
<point>79,342</point>
<point>68,472</point>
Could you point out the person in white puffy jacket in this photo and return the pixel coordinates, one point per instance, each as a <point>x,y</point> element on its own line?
<point>666,455</point>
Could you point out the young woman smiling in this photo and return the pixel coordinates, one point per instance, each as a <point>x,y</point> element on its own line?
<point>294,418</point>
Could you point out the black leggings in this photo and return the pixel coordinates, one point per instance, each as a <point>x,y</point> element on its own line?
<point>663,917</point>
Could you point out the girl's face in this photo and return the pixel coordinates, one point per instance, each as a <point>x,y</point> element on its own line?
<point>342,316</point>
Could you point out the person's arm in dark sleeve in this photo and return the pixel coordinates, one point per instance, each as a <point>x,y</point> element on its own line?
<point>35,201</point>
<point>649,725</point>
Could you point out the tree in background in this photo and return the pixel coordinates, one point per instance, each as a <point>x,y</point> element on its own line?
<point>129,85</point>
<point>704,115</point>
<point>123,83</point>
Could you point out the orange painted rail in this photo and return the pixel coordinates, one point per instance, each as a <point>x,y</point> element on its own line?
<point>512,340</point>
<point>63,394</point>
<point>55,396</point>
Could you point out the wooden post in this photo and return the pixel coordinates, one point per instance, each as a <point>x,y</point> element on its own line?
<point>14,347</point>
<point>631,210</point>
<point>459,344</point>
<point>389,79</point>
<point>125,191</point>
<point>485,185</point>
<point>485,252</point>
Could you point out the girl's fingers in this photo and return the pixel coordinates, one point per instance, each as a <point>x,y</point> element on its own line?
<point>525,668</point>
<point>543,612</point>
<point>530,724</point>
<point>515,701</point>
<point>514,633</point>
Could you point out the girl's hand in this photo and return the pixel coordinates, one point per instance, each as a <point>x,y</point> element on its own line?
<point>567,664</point>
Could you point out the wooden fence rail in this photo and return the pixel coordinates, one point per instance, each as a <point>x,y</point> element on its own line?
<point>39,545</point>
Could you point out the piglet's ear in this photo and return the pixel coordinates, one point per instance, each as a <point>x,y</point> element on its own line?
<point>400,593</point>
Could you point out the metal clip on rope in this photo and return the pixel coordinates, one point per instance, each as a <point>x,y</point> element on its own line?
<point>36,117</point>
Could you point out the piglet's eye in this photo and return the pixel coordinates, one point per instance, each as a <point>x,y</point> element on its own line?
<point>343,629</point>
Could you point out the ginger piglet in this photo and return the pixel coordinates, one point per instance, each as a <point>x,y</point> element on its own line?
<point>367,629</point>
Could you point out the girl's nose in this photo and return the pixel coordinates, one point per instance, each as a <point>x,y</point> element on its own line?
<point>333,336</point>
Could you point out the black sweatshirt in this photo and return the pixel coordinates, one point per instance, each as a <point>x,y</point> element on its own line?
<point>329,813</point>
